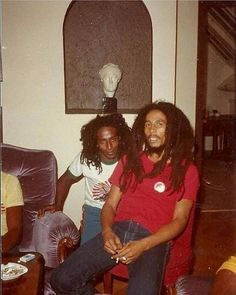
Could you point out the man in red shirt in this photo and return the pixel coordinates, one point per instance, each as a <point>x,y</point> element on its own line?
<point>153,192</point>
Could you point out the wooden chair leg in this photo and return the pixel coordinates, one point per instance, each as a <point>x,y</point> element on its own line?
<point>107,282</point>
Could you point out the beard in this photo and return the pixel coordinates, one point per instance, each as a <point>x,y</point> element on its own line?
<point>154,150</point>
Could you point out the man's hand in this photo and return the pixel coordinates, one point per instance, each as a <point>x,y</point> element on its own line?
<point>130,251</point>
<point>52,208</point>
<point>112,242</point>
<point>63,186</point>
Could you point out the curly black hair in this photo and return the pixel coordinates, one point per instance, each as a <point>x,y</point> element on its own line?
<point>90,152</point>
<point>179,146</point>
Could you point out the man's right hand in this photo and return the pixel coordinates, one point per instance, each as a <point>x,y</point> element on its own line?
<point>52,208</point>
<point>63,186</point>
<point>112,242</point>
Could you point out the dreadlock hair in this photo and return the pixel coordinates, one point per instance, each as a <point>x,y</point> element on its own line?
<point>90,151</point>
<point>178,146</point>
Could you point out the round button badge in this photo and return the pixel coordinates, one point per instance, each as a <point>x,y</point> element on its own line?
<point>159,187</point>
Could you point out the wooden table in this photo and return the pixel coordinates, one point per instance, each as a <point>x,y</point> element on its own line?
<point>30,283</point>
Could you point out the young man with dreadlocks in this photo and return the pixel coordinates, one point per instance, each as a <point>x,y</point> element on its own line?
<point>153,192</point>
<point>105,139</point>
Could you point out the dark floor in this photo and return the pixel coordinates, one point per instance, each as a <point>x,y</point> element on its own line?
<point>215,228</point>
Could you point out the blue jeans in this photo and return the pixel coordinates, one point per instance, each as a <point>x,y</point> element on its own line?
<point>91,223</point>
<point>145,274</point>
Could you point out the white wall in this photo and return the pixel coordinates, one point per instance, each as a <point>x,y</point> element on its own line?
<point>186,70</point>
<point>217,72</point>
<point>163,16</point>
<point>33,87</point>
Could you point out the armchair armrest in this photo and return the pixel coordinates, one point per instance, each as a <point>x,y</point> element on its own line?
<point>193,285</point>
<point>54,236</point>
<point>65,247</point>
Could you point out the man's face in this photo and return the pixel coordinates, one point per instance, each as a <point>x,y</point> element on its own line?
<point>108,144</point>
<point>110,81</point>
<point>155,129</point>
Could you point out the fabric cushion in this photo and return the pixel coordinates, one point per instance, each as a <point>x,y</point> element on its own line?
<point>37,173</point>
<point>49,231</point>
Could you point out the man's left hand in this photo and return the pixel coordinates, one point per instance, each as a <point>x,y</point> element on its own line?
<point>130,251</point>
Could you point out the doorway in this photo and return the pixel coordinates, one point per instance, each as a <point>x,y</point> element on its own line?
<point>216,104</point>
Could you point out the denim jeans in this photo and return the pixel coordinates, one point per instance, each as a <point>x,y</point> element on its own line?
<point>145,274</point>
<point>91,223</point>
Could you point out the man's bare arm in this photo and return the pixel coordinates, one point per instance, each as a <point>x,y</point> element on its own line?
<point>175,227</point>
<point>64,184</point>
<point>111,241</point>
<point>14,219</point>
<point>134,249</point>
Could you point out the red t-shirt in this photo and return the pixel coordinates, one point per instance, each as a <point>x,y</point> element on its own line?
<point>155,208</point>
<point>152,204</point>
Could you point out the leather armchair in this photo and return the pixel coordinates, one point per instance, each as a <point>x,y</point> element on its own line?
<point>55,234</point>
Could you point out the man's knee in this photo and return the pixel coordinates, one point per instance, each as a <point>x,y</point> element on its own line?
<point>65,283</point>
<point>59,282</point>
